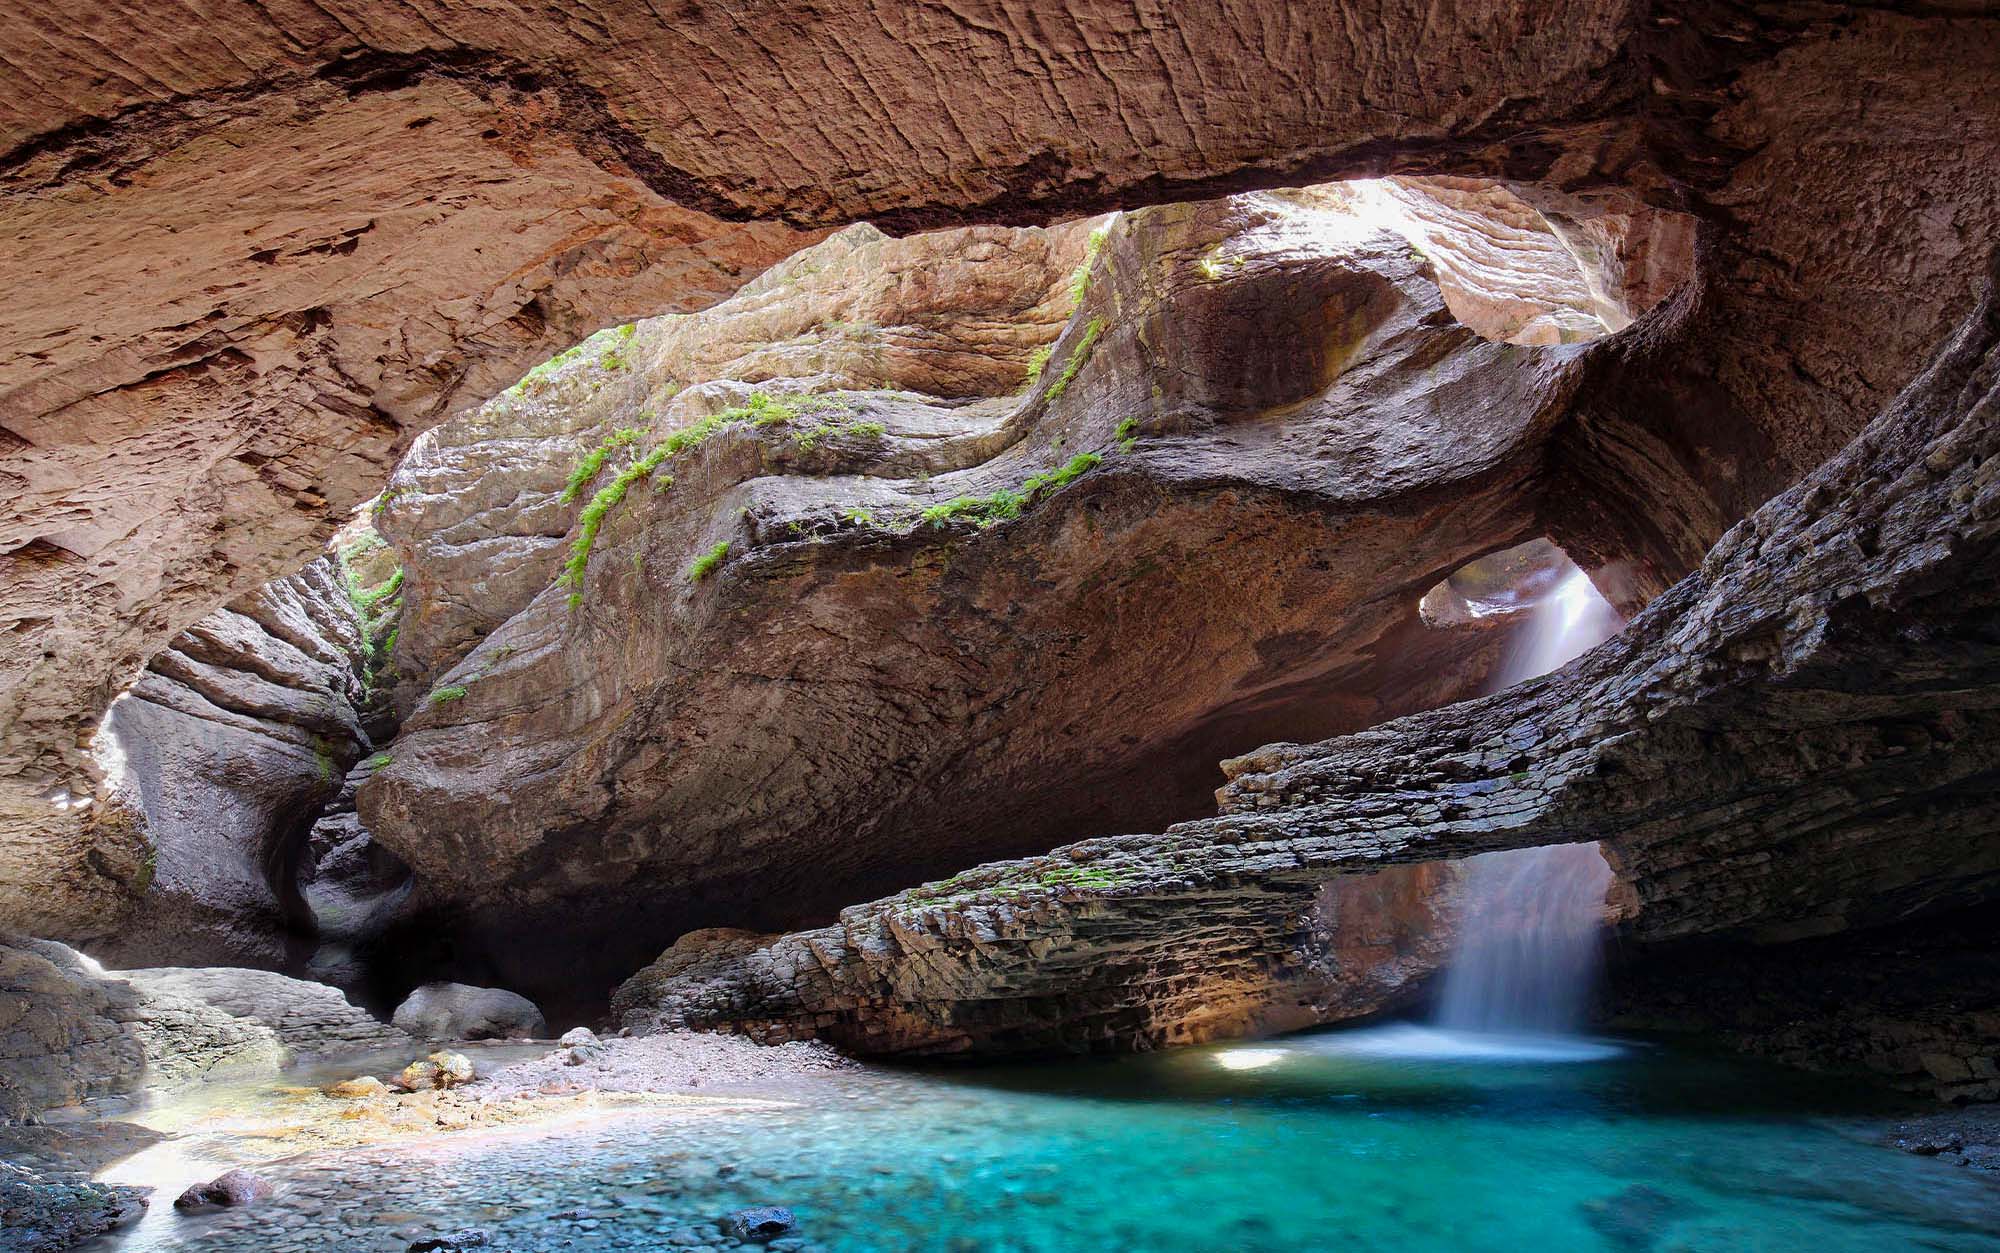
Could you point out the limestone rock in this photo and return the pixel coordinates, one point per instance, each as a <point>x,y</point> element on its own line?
<point>221,754</point>
<point>62,1041</point>
<point>318,310</point>
<point>71,1033</point>
<point>230,1190</point>
<point>378,218</point>
<point>958,685</point>
<point>475,510</point>
<point>307,1019</point>
<point>1810,710</point>
<point>456,1011</point>
<point>358,1089</point>
<point>438,1071</point>
<point>45,1214</point>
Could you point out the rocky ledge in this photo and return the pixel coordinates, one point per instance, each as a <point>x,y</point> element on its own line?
<point>1811,709</point>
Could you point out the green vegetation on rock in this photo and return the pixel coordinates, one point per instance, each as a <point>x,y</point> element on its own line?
<point>705,564</point>
<point>591,462</point>
<point>1038,360</point>
<point>1006,504</point>
<point>1077,358</point>
<point>445,695</point>
<point>1079,282</point>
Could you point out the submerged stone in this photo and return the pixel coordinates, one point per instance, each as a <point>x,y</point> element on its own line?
<point>760,1224</point>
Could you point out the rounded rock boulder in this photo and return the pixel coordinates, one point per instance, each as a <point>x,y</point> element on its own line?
<point>458,1011</point>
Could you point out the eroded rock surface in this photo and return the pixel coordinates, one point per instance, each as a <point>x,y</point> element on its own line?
<point>863,691</point>
<point>218,761</point>
<point>49,1214</point>
<point>1809,710</point>
<point>71,1033</point>
<point>357,222</point>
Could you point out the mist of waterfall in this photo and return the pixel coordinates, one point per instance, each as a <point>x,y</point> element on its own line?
<point>1530,922</point>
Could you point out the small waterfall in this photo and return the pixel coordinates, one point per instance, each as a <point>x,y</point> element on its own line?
<point>1528,940</point>
<point>1528,936</point>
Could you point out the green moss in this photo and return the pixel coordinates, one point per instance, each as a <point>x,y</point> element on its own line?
<point>149,870</point>
<point>1079,282</point>
<point>323,763</point>
<point>858,516</point>
<point>1038,360</point>
<point>983,510</point>
<point>445,695</point>
<point>378,761</point>
<point>1005,505</point>
<point>705,564</point>
<point>591,462</point>
<point>1081,877</point>
<point>1127,434</point>
<point>764,409</point>
<point>368,543</point>
<point>1077,358</point>
<point>1055,480</point>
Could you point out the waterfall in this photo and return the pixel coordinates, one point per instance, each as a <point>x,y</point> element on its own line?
<point>1528,932</point>
<point>1527,940</point>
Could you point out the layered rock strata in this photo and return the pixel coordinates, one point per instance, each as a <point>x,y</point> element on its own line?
<point>374,219</point>
<point>218,763</point>
<point>356,222</point>
<point>71,1034</point>
<point>820,644</point>
<point>1797,737</point>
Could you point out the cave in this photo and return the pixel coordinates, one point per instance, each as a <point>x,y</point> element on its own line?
<point>1386,609</point>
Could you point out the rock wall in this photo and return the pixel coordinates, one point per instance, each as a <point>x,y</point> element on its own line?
<point>357,221</point>
<point>1810,710</point>
<point>476,510</point>
<point>1917,1004</point>
<point>70,1034</point>
<point>219,760</point>
<point>1227,540</point>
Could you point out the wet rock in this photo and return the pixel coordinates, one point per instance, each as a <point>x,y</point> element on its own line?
<point>50,1213</point>
<point>75,1032</point>
<point>229,1190</point>
<point>760,1225</point>
<point>1790,663</point>
<point>454,1242</point>
<point>458,1011</point>
<point>439,1070</point>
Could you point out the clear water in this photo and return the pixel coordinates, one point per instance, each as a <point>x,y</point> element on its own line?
<point>1400,1138</point>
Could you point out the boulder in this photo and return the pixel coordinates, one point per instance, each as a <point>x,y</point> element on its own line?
<point>452,1242</point>
<point>458,1011</point>
<point>51,1213</point>
<point>357,1089</point>
<point>760,1224</point>
<point>1835,650</point>
<point>229,1190</point>
<point>577,1037</point>
<point>438,1071</point>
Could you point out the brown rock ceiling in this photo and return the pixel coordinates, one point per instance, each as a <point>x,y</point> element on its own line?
<point>255,249</point>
